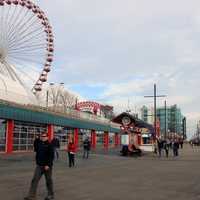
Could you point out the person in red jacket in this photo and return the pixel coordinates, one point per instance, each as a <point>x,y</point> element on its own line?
<point>71,153</point>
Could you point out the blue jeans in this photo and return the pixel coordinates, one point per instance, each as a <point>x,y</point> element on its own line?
<point>85,153</point>
<point>56,154</point>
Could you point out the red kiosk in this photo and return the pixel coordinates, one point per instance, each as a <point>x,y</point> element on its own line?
<point>132,131</point>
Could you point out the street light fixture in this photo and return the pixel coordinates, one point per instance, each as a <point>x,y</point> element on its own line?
<point>155,96</point>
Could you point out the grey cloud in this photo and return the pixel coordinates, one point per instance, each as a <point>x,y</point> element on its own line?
<point>114,41</point>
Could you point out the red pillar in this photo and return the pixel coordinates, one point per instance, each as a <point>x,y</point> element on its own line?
<point>50,132</point>
<point>116,139</point>
<point>106,140</point>
<point>93,139</point>
<point>9,136</point>
<point>139,139</point>
<point>76,137</point>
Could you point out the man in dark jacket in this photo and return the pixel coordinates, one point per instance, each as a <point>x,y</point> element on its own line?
<point>86,148</point>
<point>36,142</point>
<point>160,146</point>
<point>175,147</point>
<point>44,163</point>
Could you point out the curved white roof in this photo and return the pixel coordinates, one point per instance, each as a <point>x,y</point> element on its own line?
<point>13,90</point>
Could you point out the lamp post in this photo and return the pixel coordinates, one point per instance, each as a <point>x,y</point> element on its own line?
<point>47,98</point>
<point>165,119</point>
<point>47,95</point>
<point>155,96</point>
<point>184,127</point>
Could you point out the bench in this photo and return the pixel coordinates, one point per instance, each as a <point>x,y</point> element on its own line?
<point>126,152</point>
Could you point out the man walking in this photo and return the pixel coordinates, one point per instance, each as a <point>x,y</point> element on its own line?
<point>160,146</point>
<point>181,142</point>
<point>36,142</point>
<point>44,163</point>
<point>56,145</point>
<point>86,148</point>
<point>166,145</point>
<point>175,147</point>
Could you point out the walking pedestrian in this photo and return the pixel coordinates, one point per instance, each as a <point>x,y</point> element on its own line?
<point>71,153</point>
<point>36,142</point>
<point>160,146</point>
<point>175,147</point>
<point>44,164</point>
<point>181,142</point>
<point>56,145</point>
<point>166,145</point>
<point>86,148</point>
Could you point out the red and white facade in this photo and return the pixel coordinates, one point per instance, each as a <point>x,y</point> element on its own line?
<point>133,131</point>
<point>95,108</point>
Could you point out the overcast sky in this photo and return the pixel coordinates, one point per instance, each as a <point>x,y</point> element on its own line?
<point>114,50</point>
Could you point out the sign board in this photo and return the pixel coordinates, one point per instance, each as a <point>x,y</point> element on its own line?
<point>88,106</point>
<point>87,109</point>
<point>124,139</point>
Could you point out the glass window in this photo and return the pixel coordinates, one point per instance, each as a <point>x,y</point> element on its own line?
<point>24,135</point>
<point>111,139</point>
<point>100,138</point>
<point>2,135</point>
<point>62,134</point>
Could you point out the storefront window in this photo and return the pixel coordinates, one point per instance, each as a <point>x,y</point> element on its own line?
<point>111,139</point>
<point>2,135</point>
<point>146,140</point>
<point>100,138</point>
<point>61,133</point>
<point>80,137</point>
<point>24,135</point>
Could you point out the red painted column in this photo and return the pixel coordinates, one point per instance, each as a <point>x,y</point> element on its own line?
<point>50,132</point>
<point>116,139</point>
<point>93,139</point>
<point>9,136</point>
<point>76,138</point>
<point>139,139</point>
<point>106,140</point>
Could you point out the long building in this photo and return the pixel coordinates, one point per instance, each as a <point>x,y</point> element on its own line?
<point>19,124</point>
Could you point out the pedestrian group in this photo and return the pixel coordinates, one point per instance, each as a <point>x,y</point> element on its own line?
<point>45,153</point>
<point>167,145</point>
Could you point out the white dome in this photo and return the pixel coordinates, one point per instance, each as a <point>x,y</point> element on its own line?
<point>13,90</point>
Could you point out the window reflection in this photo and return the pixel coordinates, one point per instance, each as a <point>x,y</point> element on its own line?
<point>2,134</point>
<point>24,135</point>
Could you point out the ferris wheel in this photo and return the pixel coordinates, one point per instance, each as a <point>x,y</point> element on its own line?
<point>26,43</point>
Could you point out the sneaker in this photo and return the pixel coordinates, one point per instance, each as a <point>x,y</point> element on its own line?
<point>29,198</point>
<point>49,198</point>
